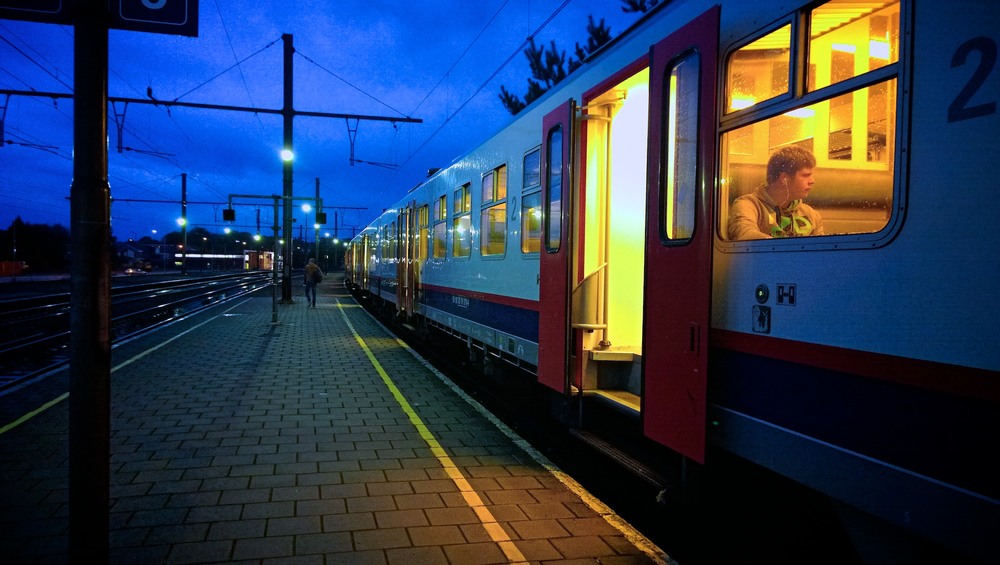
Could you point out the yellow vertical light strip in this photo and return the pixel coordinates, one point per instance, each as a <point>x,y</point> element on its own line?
<point>493,528</point>
<point>669,193</point>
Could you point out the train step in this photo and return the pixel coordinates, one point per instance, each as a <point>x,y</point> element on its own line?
<point>625,460</point>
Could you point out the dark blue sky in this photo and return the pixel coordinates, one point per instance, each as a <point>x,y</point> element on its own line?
<point>382,58</point>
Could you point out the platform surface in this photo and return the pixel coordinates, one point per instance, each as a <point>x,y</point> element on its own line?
<point>316,439</point>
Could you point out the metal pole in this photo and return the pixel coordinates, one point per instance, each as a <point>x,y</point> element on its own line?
<point>274,267</point>
<point>316,215</point>
<point>90,292</point>
<point>287,112</point>
<point>184,224</point>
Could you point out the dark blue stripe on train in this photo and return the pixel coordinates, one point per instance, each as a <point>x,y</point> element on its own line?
<point>515,320</point>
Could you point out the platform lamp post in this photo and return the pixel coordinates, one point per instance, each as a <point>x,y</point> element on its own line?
<point>182,222</point>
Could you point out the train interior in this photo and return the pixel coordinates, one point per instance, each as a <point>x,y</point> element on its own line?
<point>607,290</point>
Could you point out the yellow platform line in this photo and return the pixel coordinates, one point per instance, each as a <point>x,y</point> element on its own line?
<point>493,528</point>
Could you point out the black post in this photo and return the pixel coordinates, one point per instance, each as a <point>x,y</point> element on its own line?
<point>184,224</point>
<point>287,112</point>
<point>90,292</point>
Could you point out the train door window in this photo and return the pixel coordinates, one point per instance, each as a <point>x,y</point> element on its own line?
<point>423,232</point>
<point>493,223</point>
<point>680,188</point>
<point>441,227</point>
<point>531,203</point>
<point>461,243</point>
<point>843,114</point>
<point>553,206</point>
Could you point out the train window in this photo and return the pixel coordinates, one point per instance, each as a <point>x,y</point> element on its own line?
<point>531,222</point>
<point>493,223</point>
<point>495,184</point>
<point>423,218</point>
<point>390,236</point>
<point>532,170</point>
<point>461,244</point>
<point>494,230</point>
<point>440,227</point>
<point>553,206</point>
<point>847,39</point>
<point>759,71</point>
<point>680,186</point>
<point>842,137</point>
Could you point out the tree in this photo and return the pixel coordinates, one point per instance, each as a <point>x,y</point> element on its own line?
<point>641,6</point>
<point>549,65</point>
<point>44,248</point>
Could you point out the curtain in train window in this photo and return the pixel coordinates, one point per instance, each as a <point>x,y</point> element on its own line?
<point>680,186</point>
<point>553,206</point>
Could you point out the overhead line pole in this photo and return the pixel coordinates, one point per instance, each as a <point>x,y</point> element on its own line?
<point>287,112</point>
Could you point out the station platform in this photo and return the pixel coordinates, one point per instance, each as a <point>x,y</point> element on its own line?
<point>315,438</point>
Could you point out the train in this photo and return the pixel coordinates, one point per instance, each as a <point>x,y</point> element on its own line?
<point>587,243</point>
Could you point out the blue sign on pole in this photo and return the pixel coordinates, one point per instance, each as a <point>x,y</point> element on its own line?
<point>176,17</point>
<point>172,17</point>
<point>44,11</point>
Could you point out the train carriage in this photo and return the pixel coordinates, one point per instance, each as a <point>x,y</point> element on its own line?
<point>589,243</point>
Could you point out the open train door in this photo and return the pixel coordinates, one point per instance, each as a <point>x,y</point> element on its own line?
<point>680,176</point>
<point>553,286</point>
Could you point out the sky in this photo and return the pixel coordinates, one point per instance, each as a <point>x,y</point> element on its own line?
<point>439,61</point>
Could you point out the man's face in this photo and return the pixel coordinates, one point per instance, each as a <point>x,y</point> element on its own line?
<point>800,183</point>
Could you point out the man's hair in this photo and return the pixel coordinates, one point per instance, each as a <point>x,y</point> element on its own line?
<point>790,160</point>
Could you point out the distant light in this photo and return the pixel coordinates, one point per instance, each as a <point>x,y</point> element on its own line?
<point>181,221</point>
<point>326,234</point>
<point>316,226</point>
<point>256,237</point>
<point>228,230</point>
<point>287,155</point>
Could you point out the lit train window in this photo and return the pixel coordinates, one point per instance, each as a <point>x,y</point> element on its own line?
<point>681,150</point>
<point>531,222</point>
<point>841,136</point>
<point>461,243</point>
<point>553,219</point>
<point>440,227</point>
<point>847,39</point>
<point>759,71</point>
<point>423,232</point>
<point>493,224</point>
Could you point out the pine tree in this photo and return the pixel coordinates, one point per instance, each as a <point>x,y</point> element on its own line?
<point>549,65</point>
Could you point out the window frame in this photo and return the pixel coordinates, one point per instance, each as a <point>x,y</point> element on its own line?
<point>799,96</point>
<point>496,174</point>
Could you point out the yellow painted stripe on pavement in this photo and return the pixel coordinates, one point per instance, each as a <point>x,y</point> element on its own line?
<point>496,532</point>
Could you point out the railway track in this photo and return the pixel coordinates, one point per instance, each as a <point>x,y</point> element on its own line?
<point>35,330</point>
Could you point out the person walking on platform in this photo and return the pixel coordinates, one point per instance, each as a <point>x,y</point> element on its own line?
<point>313,276</point>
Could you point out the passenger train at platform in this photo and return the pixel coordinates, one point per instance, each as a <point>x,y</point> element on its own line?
<point>587,243</point>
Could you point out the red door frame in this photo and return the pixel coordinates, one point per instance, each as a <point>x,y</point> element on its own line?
<point>554,262</point>
<point>678,275</point>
